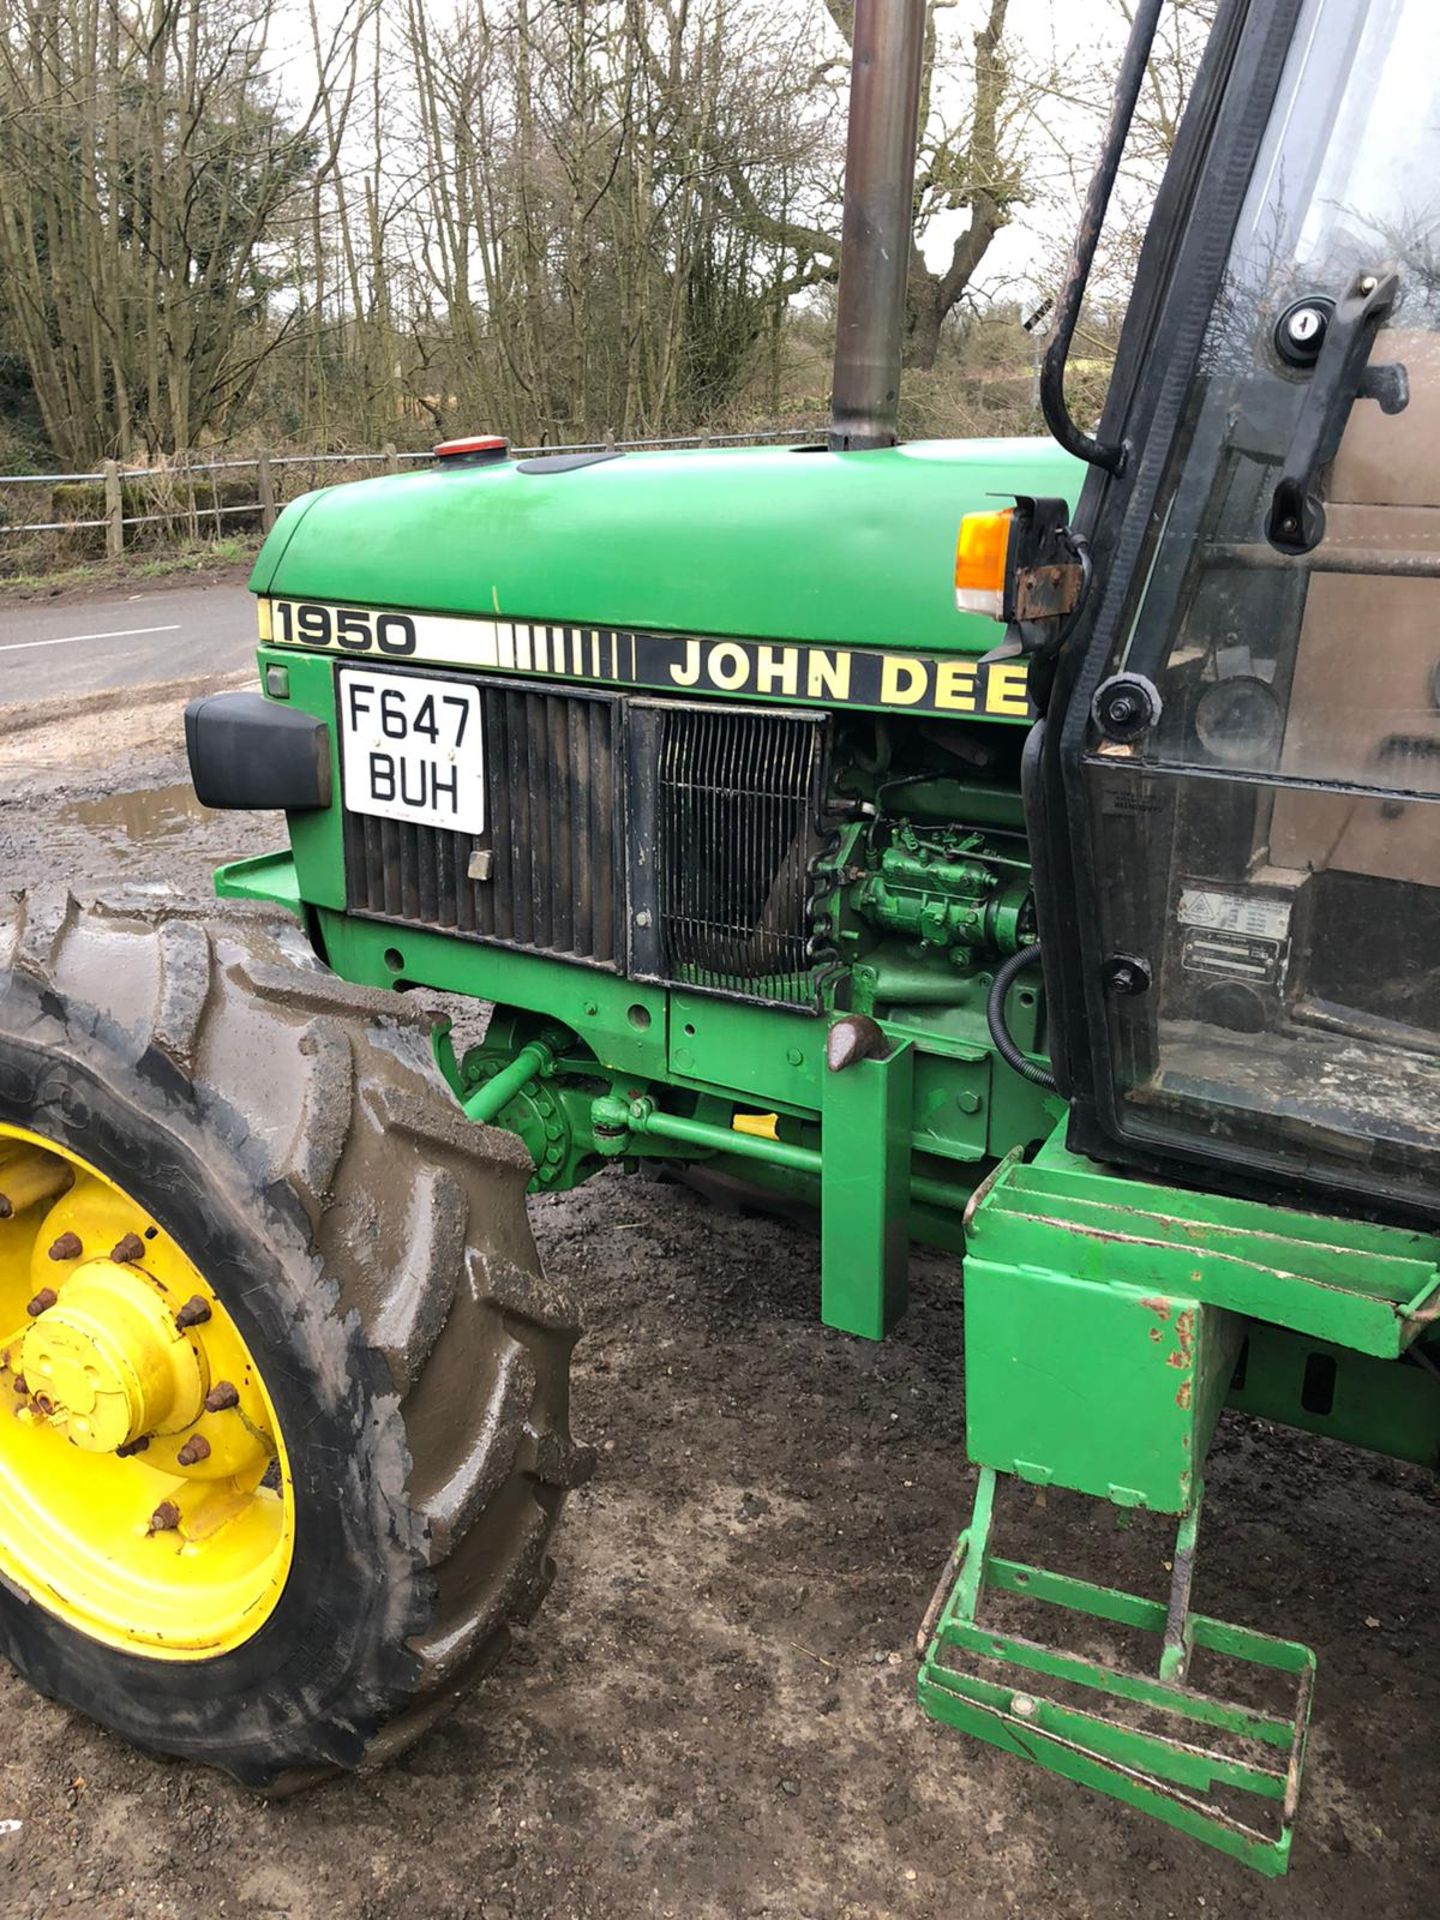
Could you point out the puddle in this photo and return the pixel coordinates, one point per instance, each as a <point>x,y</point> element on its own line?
<point>138,819</point>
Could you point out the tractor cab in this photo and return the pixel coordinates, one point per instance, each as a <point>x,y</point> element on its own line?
<point>1240,798</point>
<point>1232,797</point>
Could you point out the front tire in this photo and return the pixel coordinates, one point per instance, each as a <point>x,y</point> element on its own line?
<point>286,1135</point>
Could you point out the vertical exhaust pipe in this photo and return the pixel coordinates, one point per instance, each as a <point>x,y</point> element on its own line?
<point>888,48</point>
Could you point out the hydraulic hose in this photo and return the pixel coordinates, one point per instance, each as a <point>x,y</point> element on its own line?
<point>1000,986</point>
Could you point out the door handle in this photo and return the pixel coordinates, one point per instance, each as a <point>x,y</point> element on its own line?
<point>1296,520</point>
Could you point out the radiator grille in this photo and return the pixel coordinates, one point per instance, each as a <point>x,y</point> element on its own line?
<point>738,798</point>
<point>555,837</point>
<point>662,840</point>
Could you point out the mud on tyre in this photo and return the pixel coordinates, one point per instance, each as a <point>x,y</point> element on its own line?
<point>362,1249</point>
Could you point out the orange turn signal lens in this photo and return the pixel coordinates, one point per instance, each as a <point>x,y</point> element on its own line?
<point>980,553</point>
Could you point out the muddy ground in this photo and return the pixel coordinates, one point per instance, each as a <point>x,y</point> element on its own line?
<point>713,1715</point>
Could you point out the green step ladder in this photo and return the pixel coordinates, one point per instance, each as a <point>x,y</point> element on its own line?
<point>1148,1739</point>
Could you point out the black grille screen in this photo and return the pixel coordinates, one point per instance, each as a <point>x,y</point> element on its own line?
<point>553,846</point>
<point>738,794</point>
<point>668,841</point>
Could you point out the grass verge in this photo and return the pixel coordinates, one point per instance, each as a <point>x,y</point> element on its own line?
<point>198,556</point>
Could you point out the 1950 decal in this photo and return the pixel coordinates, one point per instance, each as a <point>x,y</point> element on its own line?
<point>309,623</point>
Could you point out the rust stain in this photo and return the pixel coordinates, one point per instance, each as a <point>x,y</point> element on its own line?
<point>1181,1360</point>
<point>1182,1398</point>
<point>1157,1334</point>
<point>1185,1333</point>
<point>1158,1305</point>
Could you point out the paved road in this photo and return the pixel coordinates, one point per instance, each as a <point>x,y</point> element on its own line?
<point>124,640</point>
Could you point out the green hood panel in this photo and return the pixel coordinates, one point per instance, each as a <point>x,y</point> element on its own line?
<point>855,548</point>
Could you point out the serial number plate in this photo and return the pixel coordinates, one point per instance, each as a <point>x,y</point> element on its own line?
<point>412,749</point>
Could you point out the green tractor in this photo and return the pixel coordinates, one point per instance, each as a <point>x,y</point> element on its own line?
<point>1051,942</point>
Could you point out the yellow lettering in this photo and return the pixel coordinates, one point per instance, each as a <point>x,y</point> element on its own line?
<point>689,674</point>
<point>955,686</point>
<point>1005,689</point>
<point>774,664</point>
<point>898,692</point>
<point>727,667</point>
<point>827,675</point>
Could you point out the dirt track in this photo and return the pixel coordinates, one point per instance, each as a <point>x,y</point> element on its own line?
<point>713,1715</point>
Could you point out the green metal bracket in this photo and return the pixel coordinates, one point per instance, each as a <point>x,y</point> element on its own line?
<point>865,1127</point>
<point>1155,1743</point>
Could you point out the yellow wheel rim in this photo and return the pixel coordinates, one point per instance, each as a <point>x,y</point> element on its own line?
<point>145,1496</point>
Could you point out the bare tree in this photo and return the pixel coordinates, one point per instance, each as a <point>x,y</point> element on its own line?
<point>578,246</point>
<point>358,221</point>
<point>144,157</point>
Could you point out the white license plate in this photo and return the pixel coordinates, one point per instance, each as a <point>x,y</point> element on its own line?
<point>411,748</point>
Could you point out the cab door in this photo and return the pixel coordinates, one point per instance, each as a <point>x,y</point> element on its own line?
<point>1240,799</point>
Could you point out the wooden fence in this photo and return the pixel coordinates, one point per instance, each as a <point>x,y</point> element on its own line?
<point>200,499</point>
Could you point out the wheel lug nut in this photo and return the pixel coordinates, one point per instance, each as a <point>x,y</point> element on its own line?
<point>165,1518</point>
<point>194,1313</point>
<point>127,1447</point>
<point>42,1303</point>
<point>221,1397</point>
<point>42,1403</point>
<point>195,1449</point>
<point>68,1247</point>
<point>127,1249</point>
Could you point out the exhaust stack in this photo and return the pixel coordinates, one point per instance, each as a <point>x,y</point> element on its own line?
<point>889,42</point>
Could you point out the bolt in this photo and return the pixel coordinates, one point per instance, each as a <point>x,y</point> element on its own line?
<point>194,1313</point>
<point>42,1403</point>
<point>165,1518</point>
<point>195,1449</point>
<point>127,1447</point>
<point>221,1396</point>
<point>42,1303</point>
<point>20,1384</point>
<point>1023,1705</point>
<point>1123,709</point>
<point>127,1250</point>
<point>67,1247</point>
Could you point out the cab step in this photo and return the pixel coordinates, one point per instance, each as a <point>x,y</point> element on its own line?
<point>1146,1738</point>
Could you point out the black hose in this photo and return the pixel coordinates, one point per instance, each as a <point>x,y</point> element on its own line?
<point>1000,986</point>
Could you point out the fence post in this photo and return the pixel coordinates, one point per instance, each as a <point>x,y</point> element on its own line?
<point>392,458</point>
<point>265,485</point>
<point>114,512</point>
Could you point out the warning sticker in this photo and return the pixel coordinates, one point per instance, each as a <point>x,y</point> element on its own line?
<point>1263,917</point>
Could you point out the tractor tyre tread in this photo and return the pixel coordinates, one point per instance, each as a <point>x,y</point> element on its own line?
<point>412,1282</point>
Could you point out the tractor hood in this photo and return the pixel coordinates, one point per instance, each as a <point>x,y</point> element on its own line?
<point>783,543</point>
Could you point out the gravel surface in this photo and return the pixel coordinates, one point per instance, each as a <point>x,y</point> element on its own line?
<point>713,1715</point>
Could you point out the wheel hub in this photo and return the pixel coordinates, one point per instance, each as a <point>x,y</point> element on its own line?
<point>107,1362</point>
<point>145,1497</point>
